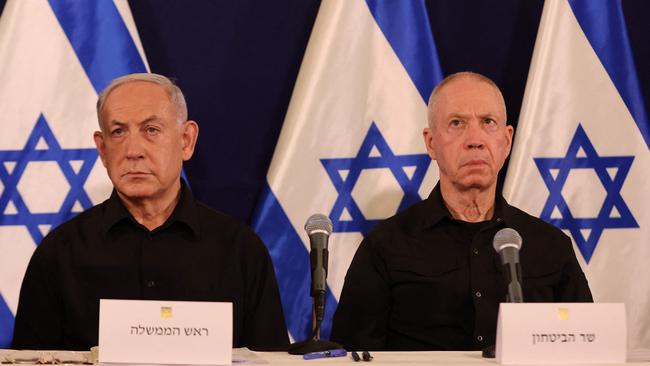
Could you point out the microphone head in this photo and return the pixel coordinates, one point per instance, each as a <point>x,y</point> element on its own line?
<point>318,222</point>
<point>505,238</point>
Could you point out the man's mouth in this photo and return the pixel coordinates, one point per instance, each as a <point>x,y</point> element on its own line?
<point>136,174</point>
<point>474,163</point>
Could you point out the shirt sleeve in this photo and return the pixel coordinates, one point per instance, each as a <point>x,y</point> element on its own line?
<point>361,318</point>
<point>264,325</point>
<point>38,319</point>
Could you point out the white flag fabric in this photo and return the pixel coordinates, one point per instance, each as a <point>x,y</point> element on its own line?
<point>351,144</point>
<point>581,152</point>
<point>56,56</point>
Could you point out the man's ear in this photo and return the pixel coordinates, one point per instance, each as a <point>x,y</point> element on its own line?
<point>510,131</point>
<point>190,134</point>
<point>427,134</point>
<point>101,147</point>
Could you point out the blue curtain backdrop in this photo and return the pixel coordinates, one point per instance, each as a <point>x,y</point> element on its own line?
<point>237,62</point>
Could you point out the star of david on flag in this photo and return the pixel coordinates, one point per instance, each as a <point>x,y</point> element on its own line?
<point>611,172</point>
<point>75,164</point>
<point>56,57</point>
<point>351,143</point>
<point>374,153</point>
<point>580,155</point>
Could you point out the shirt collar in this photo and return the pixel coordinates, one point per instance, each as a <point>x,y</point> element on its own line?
<point>436,211</point>
<point>185,212</point>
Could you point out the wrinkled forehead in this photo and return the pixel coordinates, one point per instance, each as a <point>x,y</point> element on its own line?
<point>136,91</point>
<point>136,97</point>
<point>469,95</point>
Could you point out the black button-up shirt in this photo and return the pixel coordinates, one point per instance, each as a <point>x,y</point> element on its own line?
<point>424,281</point>
<point>197,255</point>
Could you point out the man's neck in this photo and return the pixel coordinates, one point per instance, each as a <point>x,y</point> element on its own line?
<point>471,205</point>
<point>152,213</point>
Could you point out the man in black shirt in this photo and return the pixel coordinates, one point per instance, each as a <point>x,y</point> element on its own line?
<point>150,240</point>
<point>428,278</point>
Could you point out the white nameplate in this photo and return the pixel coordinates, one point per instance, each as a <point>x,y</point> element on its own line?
<point>561,333</point>
<point>165,332</point>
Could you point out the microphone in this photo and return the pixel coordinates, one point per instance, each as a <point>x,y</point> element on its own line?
<point>319,228</point>
<point>507,243</point>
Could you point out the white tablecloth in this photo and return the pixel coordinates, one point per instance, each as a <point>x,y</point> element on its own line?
<point>244,357</point>
<point>383,358</point>
<point>391,358</point>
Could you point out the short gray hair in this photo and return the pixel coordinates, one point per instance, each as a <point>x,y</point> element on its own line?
<point>463,74</point>
<point>173,91</point>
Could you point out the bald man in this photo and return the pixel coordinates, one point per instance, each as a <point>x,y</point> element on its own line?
<point>428,278</point>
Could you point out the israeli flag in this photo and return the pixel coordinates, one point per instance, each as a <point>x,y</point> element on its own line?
<point>581,152</point>
<point>351,145</point>
<point>56,56</point>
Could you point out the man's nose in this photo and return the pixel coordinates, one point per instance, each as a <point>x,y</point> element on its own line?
<point>474,136</point>
<point>134,147</point>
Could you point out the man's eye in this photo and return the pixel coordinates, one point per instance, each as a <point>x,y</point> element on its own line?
<point>117,132</point>
<point>491,124</point>
<point>152,131</point>
<point>455,123</point>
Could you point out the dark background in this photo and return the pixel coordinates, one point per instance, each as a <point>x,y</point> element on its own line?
<point>237,62</point>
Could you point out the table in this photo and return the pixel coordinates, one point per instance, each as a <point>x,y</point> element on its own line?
<point>460,358</point>
<point>395,358</point>
<point>384,358</point>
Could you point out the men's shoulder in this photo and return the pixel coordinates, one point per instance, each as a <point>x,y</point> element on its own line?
<point>406,222</point>
<point>231,230</point>
<point>72,232</point>
<point>544,245</point>
<point>85,221</point>
<point>533,226</point>
<point>548,256</point>
<point>208,215</point>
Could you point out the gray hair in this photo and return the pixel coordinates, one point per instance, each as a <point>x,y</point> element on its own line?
<point>433,99</point>
<point>173,91</point>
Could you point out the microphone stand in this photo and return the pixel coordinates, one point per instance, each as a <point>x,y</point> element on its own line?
<point>314,343</point>
<point>318,227</point>
<point>514,295</point>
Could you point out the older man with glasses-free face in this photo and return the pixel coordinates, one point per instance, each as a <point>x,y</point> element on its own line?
<point>151,239</point>
<point>428,278</point>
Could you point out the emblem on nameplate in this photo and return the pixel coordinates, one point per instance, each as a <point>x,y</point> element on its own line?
<point>166,312</point>
<point>563,313</point>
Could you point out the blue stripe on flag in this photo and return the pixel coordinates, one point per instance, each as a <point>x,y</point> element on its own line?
<point>100,39</point>
<point>604,26</point>
<point>291,262</point>
<point>105,49</point>
<point>406,26</point>
<point>7,320</point>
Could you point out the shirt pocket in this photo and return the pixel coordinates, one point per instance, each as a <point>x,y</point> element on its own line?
<point>423,289</point>
<point>417,270</point>
<point>539,282</point>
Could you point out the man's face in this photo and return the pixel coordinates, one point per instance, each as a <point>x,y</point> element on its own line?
<point>468,137</point>
<point>142,145</point>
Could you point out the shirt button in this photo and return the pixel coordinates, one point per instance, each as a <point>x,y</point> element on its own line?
<point>475,251</point>
<point>478,294</point>
<point>151,284</point>
<point>479,338</point>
